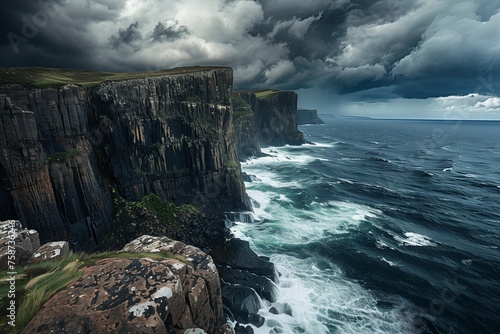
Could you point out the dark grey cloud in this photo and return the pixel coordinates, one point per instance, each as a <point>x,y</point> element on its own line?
<point>362,49</point>
<point>130,36</point>
<point>161,32</point>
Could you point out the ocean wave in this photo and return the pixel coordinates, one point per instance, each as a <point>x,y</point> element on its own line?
<point>414,239</point>
<point>392,264</point>
<point>380,159</point>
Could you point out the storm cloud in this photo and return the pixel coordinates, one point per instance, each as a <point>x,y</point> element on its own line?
<point>356,48</point>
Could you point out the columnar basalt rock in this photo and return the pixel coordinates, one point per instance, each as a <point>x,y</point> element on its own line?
<point>48,173</point>
<point>308,116</point>
<point>275,118</point>
<point>62,149</point>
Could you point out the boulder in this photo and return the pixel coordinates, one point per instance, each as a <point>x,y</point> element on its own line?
<point>239,329</point>
<point>241,300</point>
<point>22,242</point>
<point>266,288</point>
<point>179,293</point>
<point>51,251</point>
<point>237,254</point>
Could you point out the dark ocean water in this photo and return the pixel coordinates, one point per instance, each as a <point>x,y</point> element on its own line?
<point>383,226</point>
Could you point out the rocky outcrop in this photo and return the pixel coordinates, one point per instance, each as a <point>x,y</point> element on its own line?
<point>52,251</point>
<point>177,294</point>
<point>20,247</point>
<point>274,118</point>
<point>16,244</point>
<point>308,116</point>
<point>64,148</point>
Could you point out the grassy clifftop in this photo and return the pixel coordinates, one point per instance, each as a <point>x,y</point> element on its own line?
<point>55,77</point>
<point>263,94</point>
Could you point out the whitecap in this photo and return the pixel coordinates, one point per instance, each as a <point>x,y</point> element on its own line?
<point>382,245</point>
<point>392,264</point>
<point>449,169</point>
<point>467,262</point>
<point>414,239</point>
<point>315,144</point>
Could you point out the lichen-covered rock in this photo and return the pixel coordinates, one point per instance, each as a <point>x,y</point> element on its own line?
<point>177,294</point>
<point>16,243</point>
<point>51,251</point>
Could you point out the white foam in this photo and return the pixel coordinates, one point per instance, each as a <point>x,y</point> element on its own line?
<point>467,262</point>
<point>281,155</point>
<point>315,144</point>
<point>324,296</point>
<point>288,225</point>
<point>271,179</point>
<point>382,245</point>
<point>448,169</point>
<point>392,264</point>
<point>414,239</point>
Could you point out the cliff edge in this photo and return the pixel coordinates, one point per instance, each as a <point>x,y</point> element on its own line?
<point>264,118</point>
<point>308,116</point>
<point>67,149</point>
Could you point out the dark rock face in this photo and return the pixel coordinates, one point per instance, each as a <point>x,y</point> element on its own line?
<point>62,198</point>
<point>308,116</point>
<point>246,136</point>
<point>173,136</point>
<point>62,149</point>
<point>275,118</point>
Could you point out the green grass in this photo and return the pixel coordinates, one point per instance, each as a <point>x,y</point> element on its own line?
<point>63,156</point>
<point>231,164</point>
<point>238,113</point>
<point>36,284</point>
<point>57,77</point>
<point>129,223</point>
<point>240,106</point>
<point>263,94</point>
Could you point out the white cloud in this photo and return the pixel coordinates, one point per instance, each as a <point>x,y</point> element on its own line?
<point>471,104</point>
<point>279,71</point>
<point>490,104</point>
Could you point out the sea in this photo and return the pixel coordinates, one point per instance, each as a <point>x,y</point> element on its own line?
<point>381,226</point>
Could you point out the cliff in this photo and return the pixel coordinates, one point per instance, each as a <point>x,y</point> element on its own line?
<point>65,149</point>
<point>308,116</point>
<point>274,120</point>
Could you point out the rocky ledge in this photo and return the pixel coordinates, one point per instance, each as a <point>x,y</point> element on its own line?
<point>179,293</point>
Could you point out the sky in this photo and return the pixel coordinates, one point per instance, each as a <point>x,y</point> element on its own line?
<point>387,58</point>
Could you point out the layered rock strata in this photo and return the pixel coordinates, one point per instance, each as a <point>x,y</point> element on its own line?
<point>275,118</point>
<point>63,149</point>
